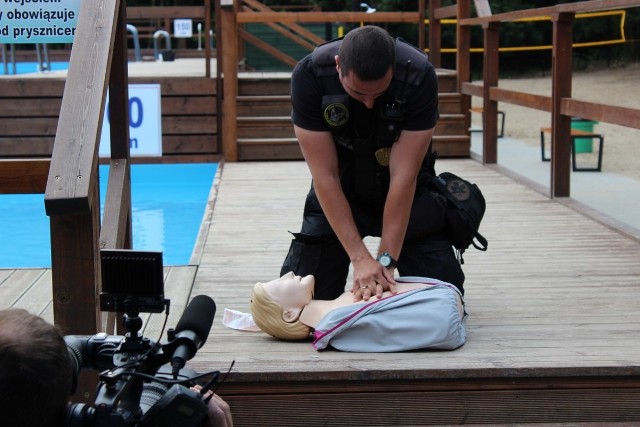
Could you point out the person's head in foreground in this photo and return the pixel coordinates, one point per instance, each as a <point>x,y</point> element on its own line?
<point>35,371</point>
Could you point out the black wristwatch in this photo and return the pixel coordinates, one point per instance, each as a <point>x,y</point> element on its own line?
<point>386,260</point>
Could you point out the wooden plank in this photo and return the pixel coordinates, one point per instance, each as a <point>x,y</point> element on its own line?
<point>172,86</point>
<point>177,288</point>
<point>28,107</point>
<point>23,176</point>
<point>189,125</point>
<point>266,47</point>
<point>188,105</point>
<point>558,339</point>
<point>176,144</point>
<point>72,167</point>
<point>28,126</point>
<point>163,12</point>
<point>402,17</point>
<point>37,297</point>
<point>16,283</point>
<point>606,113</point>
<point>30,146</point>
<point>576,7</point>
<point>297,29</point>
<point>30,87</point>
<point>525,230</point>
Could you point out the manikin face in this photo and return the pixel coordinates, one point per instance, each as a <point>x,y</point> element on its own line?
<point>292,293</point>
<point>363,91</point>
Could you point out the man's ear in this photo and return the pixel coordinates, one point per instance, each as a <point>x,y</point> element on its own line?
<point>290,315</point>
<point>337,58</point>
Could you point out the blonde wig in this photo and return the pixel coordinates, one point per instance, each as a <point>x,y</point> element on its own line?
<point>268,315</point>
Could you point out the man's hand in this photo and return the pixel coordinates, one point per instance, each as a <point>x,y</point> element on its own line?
<point>370,278</point>
<point>218,411</point>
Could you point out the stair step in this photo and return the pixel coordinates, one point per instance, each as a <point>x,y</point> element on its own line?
<point>267,141</point>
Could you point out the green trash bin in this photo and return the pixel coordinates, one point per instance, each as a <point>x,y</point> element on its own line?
<point>583,145</point>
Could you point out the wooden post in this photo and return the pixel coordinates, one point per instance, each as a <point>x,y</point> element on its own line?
<point>490,108</point>
<point>435,35</point>
<point>207,37</point>
<point>230,83</point>
<point>120,153</point>
<point>463,59</point>
<point>421,30</point>
<point>219,81</point>
<point>119,90</point>
<point>562,70</point>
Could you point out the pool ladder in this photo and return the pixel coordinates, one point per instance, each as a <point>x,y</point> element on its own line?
<point>42,54</point>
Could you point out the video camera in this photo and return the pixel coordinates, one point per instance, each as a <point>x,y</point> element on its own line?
<point>142,382</point>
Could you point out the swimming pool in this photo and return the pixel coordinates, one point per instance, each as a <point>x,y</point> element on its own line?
<point>168,204</point>
<point>31,67</point>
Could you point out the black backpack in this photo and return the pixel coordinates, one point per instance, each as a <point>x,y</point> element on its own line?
<point>466,207</point>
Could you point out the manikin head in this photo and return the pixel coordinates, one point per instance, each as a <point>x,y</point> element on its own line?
<point>276,306</point>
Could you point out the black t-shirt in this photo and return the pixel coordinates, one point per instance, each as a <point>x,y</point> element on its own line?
<point>307,92</point>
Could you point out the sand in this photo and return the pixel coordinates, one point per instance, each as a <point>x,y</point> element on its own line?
<point>618,87</point>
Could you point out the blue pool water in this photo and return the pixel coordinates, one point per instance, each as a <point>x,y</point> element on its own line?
<point>168,204</point>
<point>30,67</point>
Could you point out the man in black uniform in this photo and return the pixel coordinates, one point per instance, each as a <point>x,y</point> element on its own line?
<point>364,111</point>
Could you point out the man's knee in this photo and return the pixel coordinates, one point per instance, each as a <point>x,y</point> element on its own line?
<point>322,257</point>
<point>437,263</point>
<point>304,255</point>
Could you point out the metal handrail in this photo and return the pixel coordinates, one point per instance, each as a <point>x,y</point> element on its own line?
<point>12,59</point>
<point>43,58</point>
<point>167,42</point>
<point>136,41</point>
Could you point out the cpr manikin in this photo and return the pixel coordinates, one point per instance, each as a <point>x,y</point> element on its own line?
<point>423,314</point>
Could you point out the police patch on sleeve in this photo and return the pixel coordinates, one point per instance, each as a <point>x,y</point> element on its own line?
<point>336,114</point>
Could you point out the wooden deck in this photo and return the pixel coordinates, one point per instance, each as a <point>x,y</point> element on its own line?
<point>553,321</point>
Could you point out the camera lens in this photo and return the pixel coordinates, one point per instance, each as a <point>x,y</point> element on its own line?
<point>79,415</point>
<point>151,393</point>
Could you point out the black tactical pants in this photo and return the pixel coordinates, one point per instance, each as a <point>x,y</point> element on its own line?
<point>426,251</point>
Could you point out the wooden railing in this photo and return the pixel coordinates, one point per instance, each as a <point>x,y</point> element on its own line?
<point>72,198</point>
<point>560,104</point>
<point>234,13</point>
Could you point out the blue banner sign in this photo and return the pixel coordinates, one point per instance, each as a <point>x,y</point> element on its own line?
<point>38,21</point>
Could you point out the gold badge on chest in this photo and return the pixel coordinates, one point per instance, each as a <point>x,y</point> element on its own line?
<point>382,156</point>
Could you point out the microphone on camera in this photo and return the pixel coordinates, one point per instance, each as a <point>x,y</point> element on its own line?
<point>192,331</point>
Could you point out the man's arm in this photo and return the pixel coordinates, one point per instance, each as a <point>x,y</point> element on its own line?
<point>320,154</point>
<point>404,164</point>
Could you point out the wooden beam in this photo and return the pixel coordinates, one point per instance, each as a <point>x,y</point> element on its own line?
<point>576,7</point>
<point>615,115</point>
<point>289,34</point>
<point>163,12</point>
<point>446,12</point>
<point>74,158</point>
<point>472,89</point>
<point>23,176</point>
<point>403,17</point>
<point>292,26</point>
<point>279,55</point>
<point>529,100</point>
